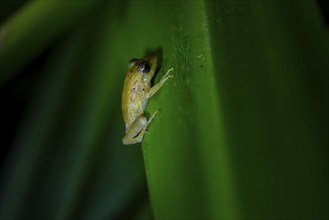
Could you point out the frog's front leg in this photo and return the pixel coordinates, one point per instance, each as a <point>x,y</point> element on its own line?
<point>137,130</point>
<point>156,87</point>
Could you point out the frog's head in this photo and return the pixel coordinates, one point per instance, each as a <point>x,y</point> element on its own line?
<point>146,66</point>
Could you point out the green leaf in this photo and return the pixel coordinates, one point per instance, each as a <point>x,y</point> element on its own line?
<point>243,129</point>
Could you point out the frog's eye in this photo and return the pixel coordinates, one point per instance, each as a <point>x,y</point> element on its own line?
<point>132,62</point>
<point>144,67</point>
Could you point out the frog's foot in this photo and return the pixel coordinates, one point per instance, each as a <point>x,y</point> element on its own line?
<point>157,86</point>
<point>167,75</point>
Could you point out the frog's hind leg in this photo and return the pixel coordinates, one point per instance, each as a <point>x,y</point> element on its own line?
<point>137,130</point>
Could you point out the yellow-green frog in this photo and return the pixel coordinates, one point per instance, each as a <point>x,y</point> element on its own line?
<point>135,94</point>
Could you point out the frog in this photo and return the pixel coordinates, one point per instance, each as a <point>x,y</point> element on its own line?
<point>136,92</point>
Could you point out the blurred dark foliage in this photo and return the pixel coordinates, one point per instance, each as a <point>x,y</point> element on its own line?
<point>14,96</point>
<point>324,7</point>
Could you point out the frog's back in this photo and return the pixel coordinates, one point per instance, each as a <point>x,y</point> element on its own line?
<point>133,98</point>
